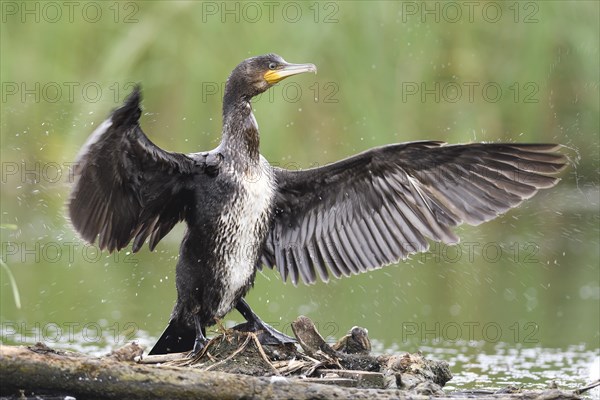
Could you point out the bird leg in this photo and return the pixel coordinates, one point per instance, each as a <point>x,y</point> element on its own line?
<point>266,333</point>
<point>201,339</point>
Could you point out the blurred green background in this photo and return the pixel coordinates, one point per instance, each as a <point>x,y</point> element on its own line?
<point>388,72</point>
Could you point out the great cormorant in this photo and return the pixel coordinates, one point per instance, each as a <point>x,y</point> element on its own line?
<point>352,216</point>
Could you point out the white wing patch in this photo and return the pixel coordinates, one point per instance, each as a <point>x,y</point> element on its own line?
<point>94,137</point>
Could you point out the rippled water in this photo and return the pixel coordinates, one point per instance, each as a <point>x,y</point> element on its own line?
<point>530,368</point>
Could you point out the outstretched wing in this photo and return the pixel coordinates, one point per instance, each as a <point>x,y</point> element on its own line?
<point>125,186</point>
<point>379,206</point>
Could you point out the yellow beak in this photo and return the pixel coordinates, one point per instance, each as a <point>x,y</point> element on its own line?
<point>276,75</point>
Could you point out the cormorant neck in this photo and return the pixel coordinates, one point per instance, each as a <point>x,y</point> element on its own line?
<point>240,130</point>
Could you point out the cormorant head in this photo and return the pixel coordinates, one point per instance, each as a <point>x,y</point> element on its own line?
<point>257,74</point>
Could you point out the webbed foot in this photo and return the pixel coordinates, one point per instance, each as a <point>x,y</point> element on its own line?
<point>265,332</point>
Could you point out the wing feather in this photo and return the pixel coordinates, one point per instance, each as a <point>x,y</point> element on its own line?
<point>125,186</point>
<point>382,205</point>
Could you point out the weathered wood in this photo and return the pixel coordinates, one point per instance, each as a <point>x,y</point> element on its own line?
<point>346,382</point>
<point>588,387</point>
<point>22,368</point>
<point>74,374</point>
<point>362,378</point>
<point>236,365</point>
<point>315,346</point>
<point>161,358</point>
<point>310,340</point>
<point>46,370</point>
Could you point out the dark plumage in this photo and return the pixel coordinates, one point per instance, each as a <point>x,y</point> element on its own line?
<point>355,215</point>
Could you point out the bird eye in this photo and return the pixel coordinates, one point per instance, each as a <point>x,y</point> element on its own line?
<point>272,65</point>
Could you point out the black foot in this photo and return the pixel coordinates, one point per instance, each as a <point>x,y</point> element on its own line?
<point>201,340</point>
<point>198,347</point>
<point>265,332</point>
